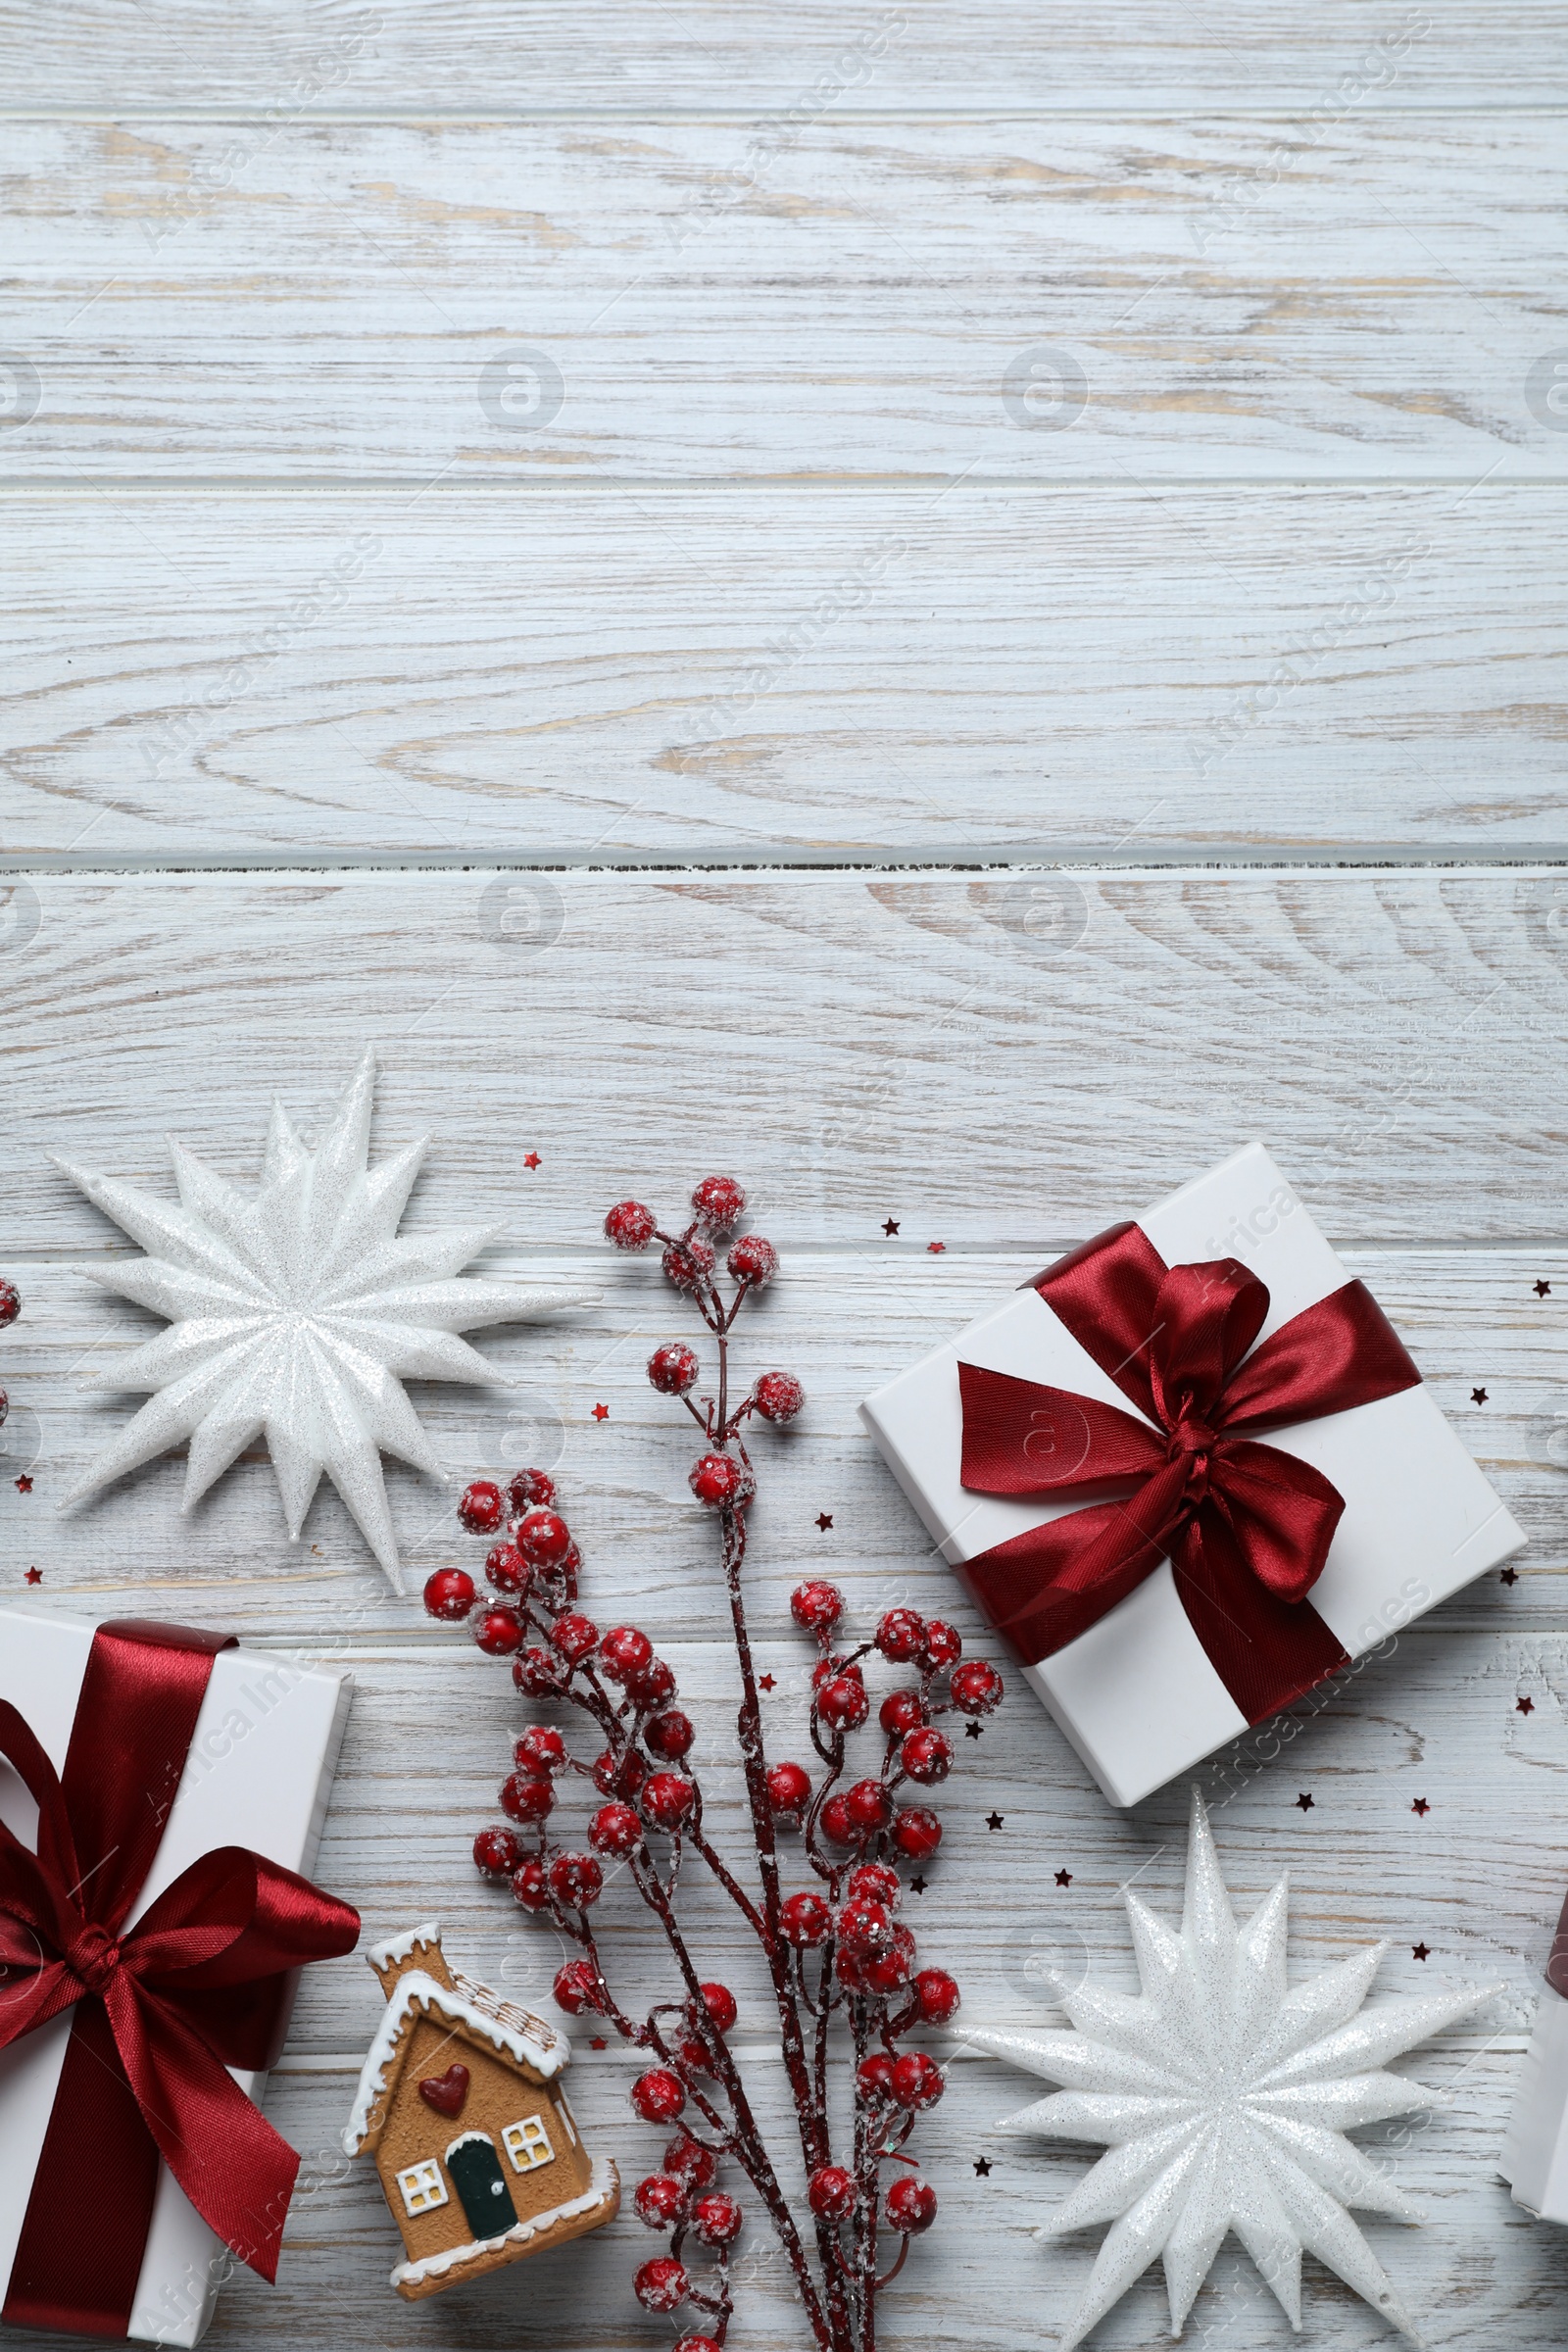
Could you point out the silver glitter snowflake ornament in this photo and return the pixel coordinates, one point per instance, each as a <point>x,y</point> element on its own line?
<point>1223,2098</point>
<point>297,1314</point>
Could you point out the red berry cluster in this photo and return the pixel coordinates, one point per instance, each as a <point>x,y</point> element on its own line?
<point>10,1309</point>
<point>836,1949</point>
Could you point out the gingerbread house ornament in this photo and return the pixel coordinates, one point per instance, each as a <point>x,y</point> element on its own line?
<point>460,2103</point>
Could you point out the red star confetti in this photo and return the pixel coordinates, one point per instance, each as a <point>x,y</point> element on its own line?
<point>1543,1290</point>
<point>1510,1576</point>
<point>766,1682</point>
<point>890,1227</point>
<point>1478,1396</point>
<point>24,1483</point>
<point>1304,1802</point>
<point>1525,1706</point>
<point>1419,1951</point>
<point>601,1412</point>
<point>824,1520</point>
<point>530,1160</point>
<point>935,1247</point>
<point>982,2167</point>
<point>35,1576</point>
<point>1421,1806</point>
<point>994,1821</point>
<point>1065,1878</point>
<point>597,2041</point>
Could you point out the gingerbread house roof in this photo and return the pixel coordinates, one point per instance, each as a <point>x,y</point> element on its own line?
<point>539,2051</point>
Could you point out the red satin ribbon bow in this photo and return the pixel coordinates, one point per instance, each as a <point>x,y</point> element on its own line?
<point>201,1983</point>
<point>1247,1528</point>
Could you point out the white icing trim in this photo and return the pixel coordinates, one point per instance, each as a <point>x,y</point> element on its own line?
<point>602,2186</point>
<point>404,1947</point>
<point>463,2140</point>
<point>532,2043</point>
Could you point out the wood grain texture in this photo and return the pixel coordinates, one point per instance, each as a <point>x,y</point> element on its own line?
<point>710,673</point>
<point>492,56</point>
<point>1242,297</point>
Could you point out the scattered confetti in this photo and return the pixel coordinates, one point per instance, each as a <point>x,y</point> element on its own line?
<point>1065,1878</point>
<point>919,1883</point>
<point>601,1412</point>
<point>1304,1802</point>
<point>982,2167</point>
<point>597,2043</point>
<point>35,1576</point>
<point>1510,1576</point>
<point>935,1247</point>
<point>24,1483</point>
<point>1478,1396</point>
<point>1525,1706</point>
<point>1421,1806</point>
<point>530,1160</point>
<point>766,1682</point>
<point>890,1227</point>
<point>994,1821</point>
<point>1419,1951</point>
<point>1543,1290</point>
<point>972,1730</point>
<point>824,1520</point>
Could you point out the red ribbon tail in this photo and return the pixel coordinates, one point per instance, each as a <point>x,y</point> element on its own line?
<point>1044,1588</point>
<point>1266,1650</point>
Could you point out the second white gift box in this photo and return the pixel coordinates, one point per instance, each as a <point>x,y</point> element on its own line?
<point>1137,1692</point>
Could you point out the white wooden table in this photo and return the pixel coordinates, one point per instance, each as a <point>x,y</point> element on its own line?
<point>953,612</point>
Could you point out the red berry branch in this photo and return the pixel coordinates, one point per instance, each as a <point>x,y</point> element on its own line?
<point>10,1309</point>
<point>836,1951</point>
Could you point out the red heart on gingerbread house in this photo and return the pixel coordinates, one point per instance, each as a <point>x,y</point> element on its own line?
<point>446,2092</point>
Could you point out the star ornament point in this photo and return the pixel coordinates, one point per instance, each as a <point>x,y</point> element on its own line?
<point>296,1314</point>
<point>1223,2096</point>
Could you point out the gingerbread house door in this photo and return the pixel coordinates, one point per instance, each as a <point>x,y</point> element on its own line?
<point>479,2182</point>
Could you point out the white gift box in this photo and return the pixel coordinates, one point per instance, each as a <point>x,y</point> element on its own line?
<point>1136,1693</point>
<point>258,1774</point>
<point>1535,2153</point>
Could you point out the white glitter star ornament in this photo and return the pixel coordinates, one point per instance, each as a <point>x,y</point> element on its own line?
<point>1223,2099</point>
<point>299,1314</point>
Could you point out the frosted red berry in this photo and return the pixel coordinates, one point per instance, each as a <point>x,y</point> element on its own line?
<point>577,1987</point>
<point>10,1304</point>
<point>660,2201</point>
<point>625,1651</point>
<point>528,1490</point>
<point>830,2192</point>
<point>577,1881</point>
<point>658,2095</point>
<point>916,1833</point>
<point>943,1645</point>
<point>874,2074</point>
<point>718,1479</point>
<point>529,1885</point>
<point>927,1757</point>
<point>661,2284</point>
<point>719,2006</point>
<point>901,1712</point>
<point>753,1260</point>
<point>481,1507</point>
<point>778,1396</point>
<point>630,1226</point>
<point>651,1687</point>
<point>527,1797</point>
<point>976,1688</point>
<point>900,1635</point>
<point>936,1996</point>
<point>540,1751</point>
<point>834,1822</point>
<point>916,2080</point>
<point>843,1703</point>
<point>806,1920</point>
<point>911,2207</point>
<point>537,1674</point>
<point>674,1368</point>
<point>667,1799</point>
<point>696,2344</point>
<point>691,2163</point>
<point>789,1791</point>
<point>717,2220</point>
<point>816,1606</point>
<point>864,1926</point>
<point>506,1568</point>
<point>497,1852</point>
<point>717,1203</point>
<point>619,1776</point>
<point>498,1631</point>
<point>574,1636</point>
<point>616,1830</point>
<point>878,1882</point>
<point>869,1806</point>
<point>543,1538</point>
<point>688,1264</point>
<point>450,1594</point>
<point>890,1968</point>
<point>669,1735</point>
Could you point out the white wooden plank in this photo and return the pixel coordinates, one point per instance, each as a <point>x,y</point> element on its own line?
<point>792,61</point>
<point>712,672</point>
<point>1238,297</point>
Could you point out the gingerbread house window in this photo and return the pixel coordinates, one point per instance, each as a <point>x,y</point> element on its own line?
<point>528,2145</point>
<point>422,2187</point>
